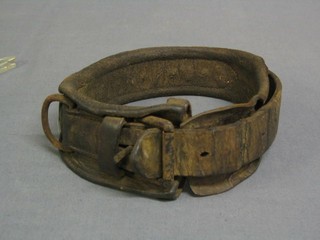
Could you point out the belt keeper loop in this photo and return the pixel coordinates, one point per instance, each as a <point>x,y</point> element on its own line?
<point>109,133</point>
<point>168,156</point>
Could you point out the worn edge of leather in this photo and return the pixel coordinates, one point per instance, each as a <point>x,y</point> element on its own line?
<point>222,183</point>
<point>71,84</point>
<point>151,188</point>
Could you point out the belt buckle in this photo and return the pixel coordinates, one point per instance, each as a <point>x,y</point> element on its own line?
<point>159,130</point>
<point>104,168</point>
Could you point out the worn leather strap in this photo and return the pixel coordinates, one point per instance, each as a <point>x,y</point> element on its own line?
<point>152,150</point>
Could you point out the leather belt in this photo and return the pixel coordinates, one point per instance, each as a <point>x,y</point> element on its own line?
<point>154,150</point>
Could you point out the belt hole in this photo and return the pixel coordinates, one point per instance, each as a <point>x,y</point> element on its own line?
<point>204,154</point>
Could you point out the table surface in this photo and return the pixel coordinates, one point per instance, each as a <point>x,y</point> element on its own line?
<point>40,198</point>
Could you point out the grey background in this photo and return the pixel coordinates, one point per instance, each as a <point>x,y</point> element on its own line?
<point>40,198</point>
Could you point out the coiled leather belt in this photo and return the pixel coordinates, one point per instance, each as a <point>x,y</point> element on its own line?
<point>154,150</point>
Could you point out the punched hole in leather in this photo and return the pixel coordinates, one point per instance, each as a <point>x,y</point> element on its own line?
<point>152,150</point>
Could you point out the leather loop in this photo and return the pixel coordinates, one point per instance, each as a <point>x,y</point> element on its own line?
<point>109,133</point>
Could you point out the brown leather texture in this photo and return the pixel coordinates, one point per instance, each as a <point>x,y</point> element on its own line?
<point>155,150</point>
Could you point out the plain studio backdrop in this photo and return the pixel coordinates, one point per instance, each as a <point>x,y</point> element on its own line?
<point>40,198</point>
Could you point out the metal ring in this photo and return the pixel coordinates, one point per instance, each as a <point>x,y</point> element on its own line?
<point>45,119</point>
